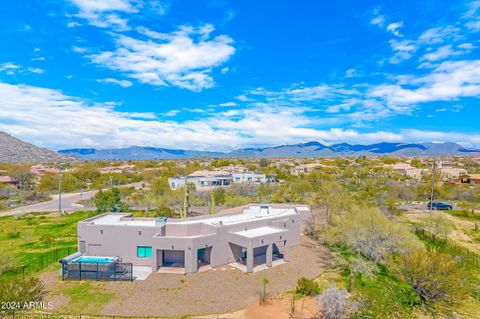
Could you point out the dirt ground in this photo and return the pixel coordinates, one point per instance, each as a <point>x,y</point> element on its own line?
<point>280,308</point>
<point>459,233</point>
<point>216,291</point>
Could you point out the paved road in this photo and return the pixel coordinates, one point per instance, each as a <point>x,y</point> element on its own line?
<point>68,203</point>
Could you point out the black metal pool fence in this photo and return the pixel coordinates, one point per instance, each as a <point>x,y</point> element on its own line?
<point>34,262</point>
<point>114,271</point>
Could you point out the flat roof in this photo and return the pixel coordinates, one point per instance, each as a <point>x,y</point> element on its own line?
<point>250,213</point>
<point>260,231</point>
<point>121,219</point>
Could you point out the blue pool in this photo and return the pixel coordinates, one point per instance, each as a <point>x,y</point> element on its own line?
<point>94,260</point>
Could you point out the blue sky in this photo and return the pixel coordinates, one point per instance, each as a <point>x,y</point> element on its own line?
<point>218,75</point>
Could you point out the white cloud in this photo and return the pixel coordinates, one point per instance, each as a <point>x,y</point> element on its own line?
<point>104,13</point>
<point>441,53</point>
<point>472,16</point>
<point>122,83</point>
<point>228,104</point>
<point>183,58</point>
<point>77,49</point>
<point>466,46</point>
<point>9,67</point>
<point>12,69</point>
<point>172,113</point>
<point>448,81</point>
<point>393,28</point>
<point>36,70</point>
<point>404,50</point>
<point>439,35</point>
<point>350,73</point>
<point>379,20</point>
<point>81,123</point>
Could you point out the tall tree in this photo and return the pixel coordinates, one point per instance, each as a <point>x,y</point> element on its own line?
<point>22,177</point>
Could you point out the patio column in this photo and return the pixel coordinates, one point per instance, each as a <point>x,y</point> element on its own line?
<point>190,261</point>
<point>250,259</point>
<point>159,259</point>
<point>269,255</point>
<point>286,252</point>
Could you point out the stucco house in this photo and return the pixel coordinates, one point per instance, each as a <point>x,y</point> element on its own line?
<point>258,236</point>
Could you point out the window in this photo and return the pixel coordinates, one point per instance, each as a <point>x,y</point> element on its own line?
<point>144,252</point>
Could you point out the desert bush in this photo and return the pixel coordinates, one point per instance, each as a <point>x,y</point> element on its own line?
<point>363,267</point>
<point>7,260</point>
<point>436,224</point>
<point>307,287</point>
<point>37,197</point>
<point>263,293</point>
<point>20,290</point>
<point>368,232</point>
<point>433,276</point>
<point>337,304</point>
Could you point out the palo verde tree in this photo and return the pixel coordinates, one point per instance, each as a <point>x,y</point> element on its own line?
<point>109,201</point>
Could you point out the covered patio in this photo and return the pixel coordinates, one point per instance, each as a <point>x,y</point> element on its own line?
<point>258,248</point>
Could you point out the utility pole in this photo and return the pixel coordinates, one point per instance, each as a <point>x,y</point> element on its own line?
<point>432,192</point>
<point>60,190</point>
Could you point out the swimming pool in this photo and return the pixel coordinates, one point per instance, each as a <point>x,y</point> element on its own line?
<point>94,260</point>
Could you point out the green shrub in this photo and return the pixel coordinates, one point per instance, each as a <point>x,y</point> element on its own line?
<point>307,287</point>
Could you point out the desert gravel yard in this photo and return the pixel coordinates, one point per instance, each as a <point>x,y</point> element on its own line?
<point>219,290</point>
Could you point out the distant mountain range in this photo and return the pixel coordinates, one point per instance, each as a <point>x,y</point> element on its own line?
<point>310,149</point>
<point>13,150</point>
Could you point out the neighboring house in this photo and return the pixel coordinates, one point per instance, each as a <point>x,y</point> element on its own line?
<point>203,180</point>
<point>407,170</point>
<point>305,168</point>
<point>233,169</point>
<point>473,179</point>
<point>124,168</point>
<point>249,177</point>
<point>40,169</point>
<point>261,235</point>
<point>6,180</point>
<point>206,180</point>
<point>452,172</point>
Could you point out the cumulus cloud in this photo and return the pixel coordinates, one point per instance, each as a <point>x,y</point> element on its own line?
<point>448,81</point>
<point>105,13</point>
<point>184,58</point>
<point>83,123</point>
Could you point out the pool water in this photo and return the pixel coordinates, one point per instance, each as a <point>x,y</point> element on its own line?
<point>94,260</point>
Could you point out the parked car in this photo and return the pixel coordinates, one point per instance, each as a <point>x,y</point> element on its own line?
<point>439,206</point>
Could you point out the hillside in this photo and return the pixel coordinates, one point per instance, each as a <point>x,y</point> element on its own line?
<point>13,150</point>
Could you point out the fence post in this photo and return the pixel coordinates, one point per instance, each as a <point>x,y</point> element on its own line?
<point>97,272</point>
<point>115,271</point>
<point>80,274</point>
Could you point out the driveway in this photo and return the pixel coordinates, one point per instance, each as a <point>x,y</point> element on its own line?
<point>69,201</point>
